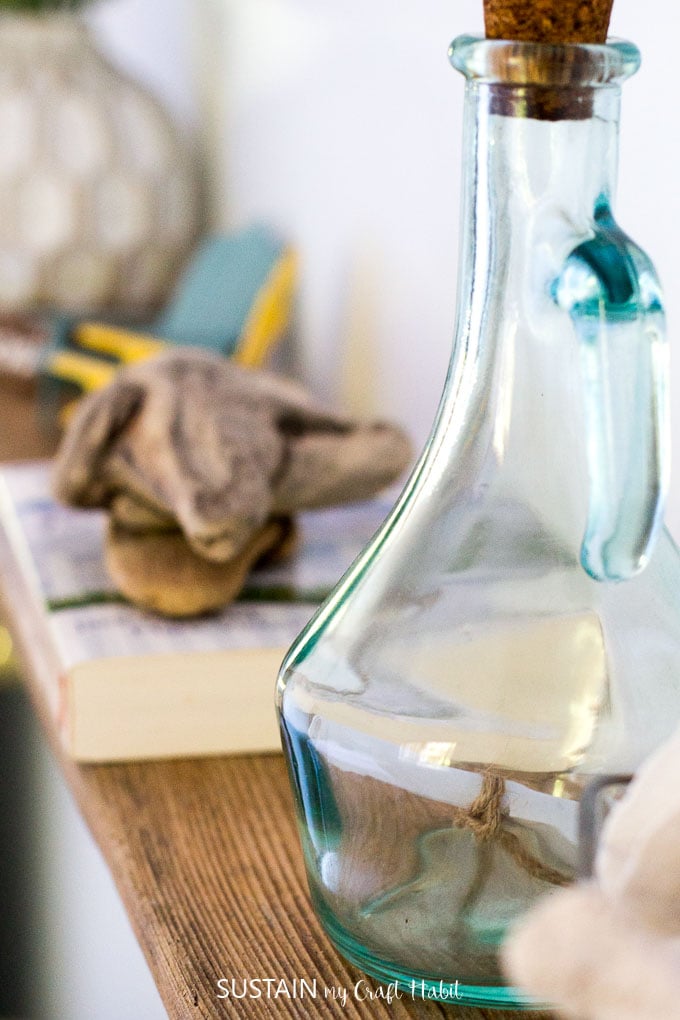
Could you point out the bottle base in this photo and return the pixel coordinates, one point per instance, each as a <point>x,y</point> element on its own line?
<point>453,992</point>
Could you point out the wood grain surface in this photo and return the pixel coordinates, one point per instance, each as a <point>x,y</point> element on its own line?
<point>206,858</point>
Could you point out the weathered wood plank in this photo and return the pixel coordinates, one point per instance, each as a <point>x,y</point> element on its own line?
<point>206,858</point>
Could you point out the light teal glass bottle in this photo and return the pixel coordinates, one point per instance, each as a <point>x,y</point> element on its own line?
<point>513,630</point>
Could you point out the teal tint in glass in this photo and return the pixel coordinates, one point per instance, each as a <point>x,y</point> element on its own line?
<point>610,289</point>
<point>513,630</point>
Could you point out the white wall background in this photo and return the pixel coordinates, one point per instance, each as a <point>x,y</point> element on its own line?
<point>150,39</point>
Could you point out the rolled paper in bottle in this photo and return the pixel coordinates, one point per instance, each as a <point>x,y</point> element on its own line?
<point>527,696</point>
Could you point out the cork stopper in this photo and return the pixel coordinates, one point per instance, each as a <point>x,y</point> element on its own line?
<point>552,23</point>
<point>548,21</point>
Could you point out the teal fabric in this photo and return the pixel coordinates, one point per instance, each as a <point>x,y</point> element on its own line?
<point>216,293</point>
<point>209,307</point>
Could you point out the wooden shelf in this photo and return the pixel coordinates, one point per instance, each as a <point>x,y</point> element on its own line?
<point>206,858</point>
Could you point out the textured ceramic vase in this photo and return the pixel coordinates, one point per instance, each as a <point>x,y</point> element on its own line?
<point>98,202</point>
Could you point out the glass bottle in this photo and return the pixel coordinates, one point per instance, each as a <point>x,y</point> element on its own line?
<point>513,629</point>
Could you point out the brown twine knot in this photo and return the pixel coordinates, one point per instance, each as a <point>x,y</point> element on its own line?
<point>485,818</point>
<point>485,815</point>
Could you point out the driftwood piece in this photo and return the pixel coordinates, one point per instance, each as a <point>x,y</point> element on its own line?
<point>192,441</point>
<point>202,465</point>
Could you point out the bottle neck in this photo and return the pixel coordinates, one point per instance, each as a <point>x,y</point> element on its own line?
<point>531,187</point>
<point>513,401</point>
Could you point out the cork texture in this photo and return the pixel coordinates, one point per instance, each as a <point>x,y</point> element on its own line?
<point>548,21</point>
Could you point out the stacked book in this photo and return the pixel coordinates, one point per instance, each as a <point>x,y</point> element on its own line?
<point>123,684</point>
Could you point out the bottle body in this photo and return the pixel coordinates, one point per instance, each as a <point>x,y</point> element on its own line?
<point>511,631</point>
<point>413,878</point>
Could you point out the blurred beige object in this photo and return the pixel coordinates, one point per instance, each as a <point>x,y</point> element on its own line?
<point>609,949</point>
<point>98,201</point>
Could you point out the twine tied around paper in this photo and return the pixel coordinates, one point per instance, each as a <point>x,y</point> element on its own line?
<point>485,818</point>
